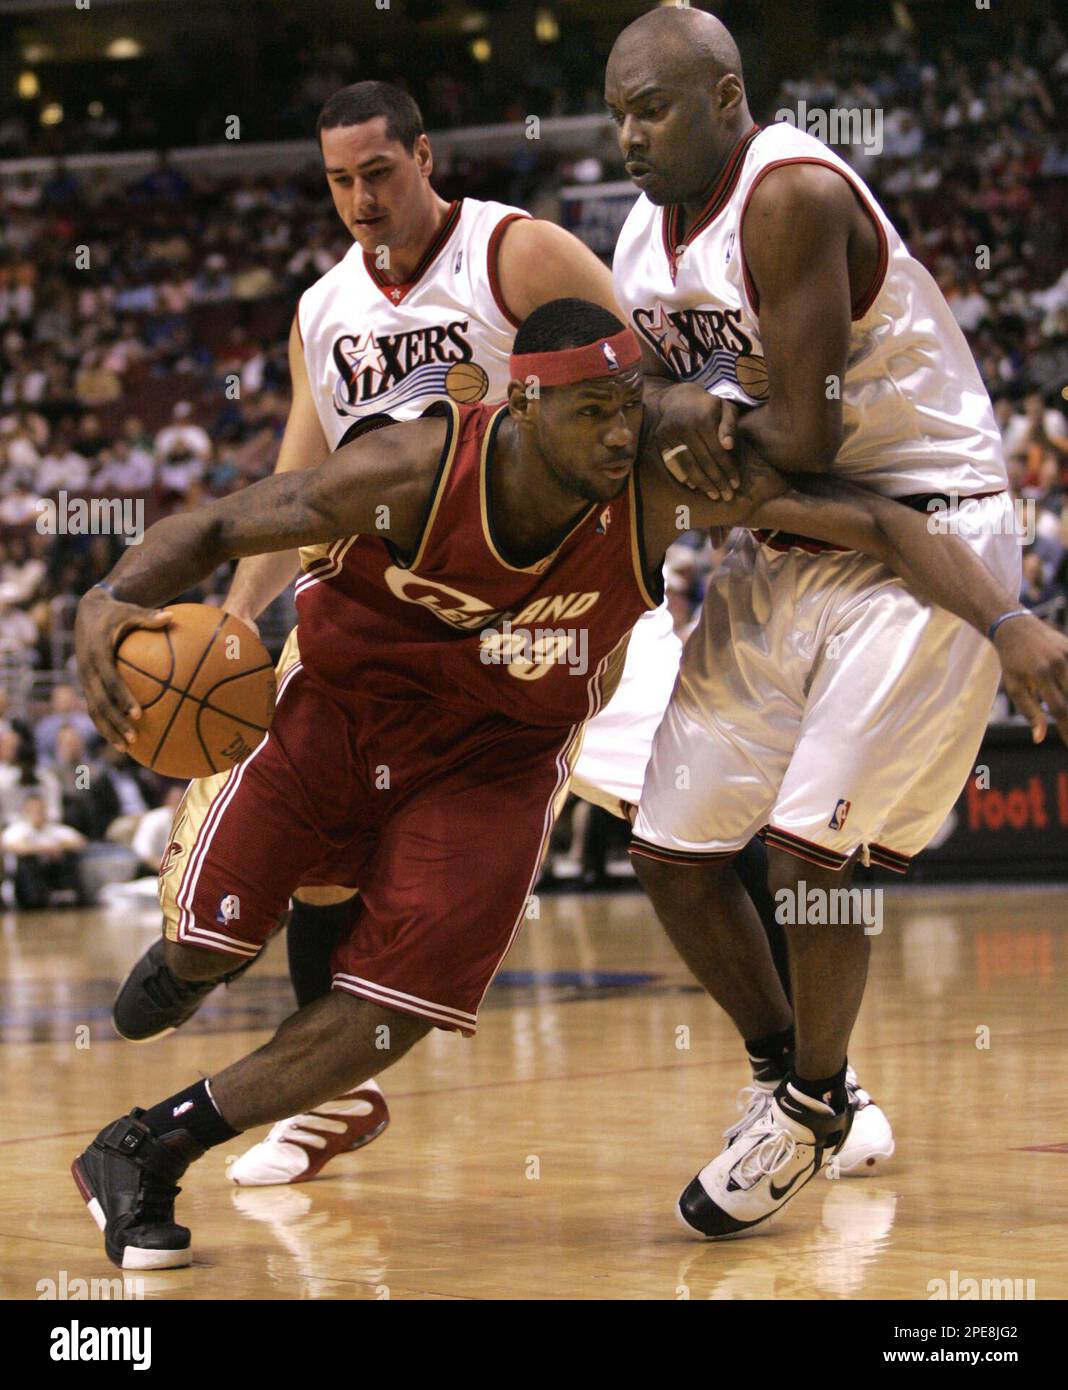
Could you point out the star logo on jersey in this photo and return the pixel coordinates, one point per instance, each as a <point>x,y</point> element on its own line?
<point>666,335</point>
<point>364,355</point>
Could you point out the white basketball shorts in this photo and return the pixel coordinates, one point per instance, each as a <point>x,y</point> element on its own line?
<point>820,700</point>
<point>618,741</point>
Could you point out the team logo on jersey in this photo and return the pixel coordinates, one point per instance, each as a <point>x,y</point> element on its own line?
<point>452,606</point>
<point>838,819</point>
<point>708,346</point>
<point>170,857</point>
<point>174,850</point>
<point>383,370</point>
<point>610,357</point>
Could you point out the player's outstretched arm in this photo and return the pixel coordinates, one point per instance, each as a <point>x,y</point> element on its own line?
<point>940,568</point>
<point>259,579</point>
<point>379,484</point>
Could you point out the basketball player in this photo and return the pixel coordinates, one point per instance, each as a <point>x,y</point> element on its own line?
<point>427,711</point>
<point>425,305</point>
<point>818,698</point>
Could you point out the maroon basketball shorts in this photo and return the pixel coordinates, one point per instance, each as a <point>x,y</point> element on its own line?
<point>440,818</point>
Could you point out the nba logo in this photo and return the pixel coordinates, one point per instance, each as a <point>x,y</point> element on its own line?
<point>610,357</point>
<point>604,521</point>
<point>730,249</point>
<point>839,818</point>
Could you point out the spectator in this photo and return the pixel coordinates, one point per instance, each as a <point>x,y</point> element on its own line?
<point>18,631</point>
<point>66,711</point>
<point>153,833</point>
<point>1036,591</point>
<point>182,438</point>
<point>11,723</point>
<point>47,856</point>
<point>125,468</point>
<point>90,800</point>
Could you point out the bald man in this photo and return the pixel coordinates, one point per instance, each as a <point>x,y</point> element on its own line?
<point>818,700</point>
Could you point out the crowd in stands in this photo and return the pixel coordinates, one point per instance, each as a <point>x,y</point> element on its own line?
<point>143,336</point>
<point>75,813</point>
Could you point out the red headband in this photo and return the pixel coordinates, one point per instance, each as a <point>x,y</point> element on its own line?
<point>605,357</point>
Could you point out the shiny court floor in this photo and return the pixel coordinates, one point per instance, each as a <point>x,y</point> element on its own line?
<point>542,1159</point>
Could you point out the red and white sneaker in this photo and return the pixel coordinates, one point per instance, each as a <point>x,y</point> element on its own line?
<point>300,1148</point>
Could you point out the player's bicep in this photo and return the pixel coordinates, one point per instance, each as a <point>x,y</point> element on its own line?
<point>304,445</point>
<point>377,485</point>
<point>795,242</point>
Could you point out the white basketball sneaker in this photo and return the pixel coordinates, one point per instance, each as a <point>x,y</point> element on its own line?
<point>300,1148</point>
<point>764,1165</point>
<point>868,1147</point>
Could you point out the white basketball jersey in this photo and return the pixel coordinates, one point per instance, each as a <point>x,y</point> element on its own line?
<point>371,347</point>
<point>916,415</point>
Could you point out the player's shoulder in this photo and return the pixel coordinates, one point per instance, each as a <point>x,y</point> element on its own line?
<point>484,223</point>
<point>331,281</point>
<point>486,213</point>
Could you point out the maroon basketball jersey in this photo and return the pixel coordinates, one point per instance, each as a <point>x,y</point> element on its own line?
<point>540,643</point>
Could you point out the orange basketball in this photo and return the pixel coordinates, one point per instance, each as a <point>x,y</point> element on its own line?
<point>206,690</point>
<point>753,376</point>
<point>466,382</point>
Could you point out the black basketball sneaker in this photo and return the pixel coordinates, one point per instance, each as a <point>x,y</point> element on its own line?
<point>152,1001</point>
<point>765,1164</point>
<point>128,1179</point>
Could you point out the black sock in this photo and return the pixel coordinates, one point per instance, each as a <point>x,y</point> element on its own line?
<point>751,866</point>
<point>831,1090</point>
<point>771,1057</point>
<point>194,1111</point>
<point>311,935</point>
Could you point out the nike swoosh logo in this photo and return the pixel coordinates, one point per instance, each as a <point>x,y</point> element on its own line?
<point>777,1193</point>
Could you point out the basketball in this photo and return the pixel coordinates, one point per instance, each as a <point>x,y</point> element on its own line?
<point>466,382</point>
<point>206,690</point>
<point>753,376</point>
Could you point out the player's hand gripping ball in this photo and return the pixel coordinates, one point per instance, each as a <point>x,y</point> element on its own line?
<point>201,679</point>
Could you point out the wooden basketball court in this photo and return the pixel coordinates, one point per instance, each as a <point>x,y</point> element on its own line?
<point>542,1160</point>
